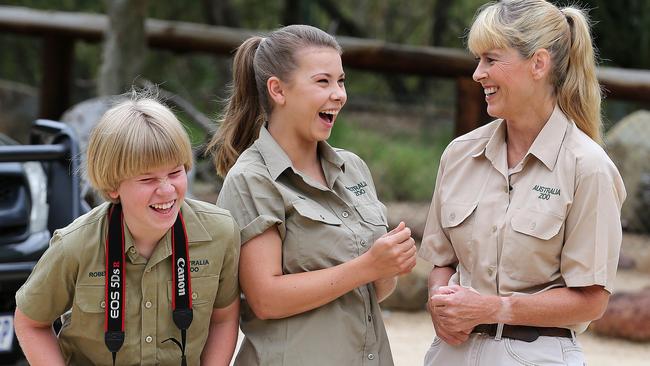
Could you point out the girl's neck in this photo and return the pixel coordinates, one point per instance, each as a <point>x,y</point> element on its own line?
<point>303,154</point>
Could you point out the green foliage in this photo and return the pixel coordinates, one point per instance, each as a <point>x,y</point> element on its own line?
<point>403,167</point>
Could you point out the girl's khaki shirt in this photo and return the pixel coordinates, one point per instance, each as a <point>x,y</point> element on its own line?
<point>551,221</point>
<point>320,227</point>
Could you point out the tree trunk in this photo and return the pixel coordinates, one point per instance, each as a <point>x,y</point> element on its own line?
<point>124,46</point>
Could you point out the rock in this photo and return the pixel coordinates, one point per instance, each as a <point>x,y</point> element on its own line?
<point>19,106</point>
<point>84,116</point>
<point>411,292</point>
<point>625,262</point>
<point>414,214</point>
<point>628,144</point>
<point>637,247</point>
<point>627,316</point>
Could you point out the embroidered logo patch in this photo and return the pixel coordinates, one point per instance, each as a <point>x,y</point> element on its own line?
<point>196,263</point>
<point>545,193</point>
<point>358,189</point>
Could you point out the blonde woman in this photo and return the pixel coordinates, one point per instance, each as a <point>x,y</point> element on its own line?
<point>524,227</point>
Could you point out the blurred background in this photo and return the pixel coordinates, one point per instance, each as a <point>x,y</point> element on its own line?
<point>408,79</point>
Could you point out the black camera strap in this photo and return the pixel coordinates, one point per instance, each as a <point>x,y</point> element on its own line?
<point>116,281</point>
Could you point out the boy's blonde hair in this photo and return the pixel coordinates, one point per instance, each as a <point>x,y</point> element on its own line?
<point>132,138</point>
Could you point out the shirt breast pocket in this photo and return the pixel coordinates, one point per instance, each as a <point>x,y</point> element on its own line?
<point>204,291</point>
<point>373,220</point>
<point>314,214</point>
<point>457,220</point>
<point>533,252</point>
<point>90,299</point>
<point>315,239</point>
<point>90,306</point>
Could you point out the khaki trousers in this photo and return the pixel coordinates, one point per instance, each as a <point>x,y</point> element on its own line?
<point>484,350</point>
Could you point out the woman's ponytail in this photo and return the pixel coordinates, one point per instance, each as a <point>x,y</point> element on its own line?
<point>242,118</point>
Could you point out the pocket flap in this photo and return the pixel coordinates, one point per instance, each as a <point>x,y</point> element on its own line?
<point>204,289</point>
<point>538,224</point>
<point>372,213</point>
<point>90,299</point>
<point>311,211</point>
<point>452,214</point>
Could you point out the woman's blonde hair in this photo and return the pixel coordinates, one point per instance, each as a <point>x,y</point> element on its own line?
<point>132,138</point>
<point>530,25</point>
<point>256,60</point>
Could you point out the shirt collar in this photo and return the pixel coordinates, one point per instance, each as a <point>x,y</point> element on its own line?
<point>277,161</point>
<point>548,142</point>
<point>546,146</point>
<point>495,143</point>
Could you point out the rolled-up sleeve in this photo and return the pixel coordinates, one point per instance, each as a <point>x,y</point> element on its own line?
<point>254,202</point>
<point>593,231</point>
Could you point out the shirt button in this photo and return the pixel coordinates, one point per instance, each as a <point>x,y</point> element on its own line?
<point>494,229</point>
<point>532,225</point>
<point>345,214</point>
<point>369,318</point>
<point>194,295</point>
<point>147,304</point>
<point>490,270</point>
<point>132,250</point>
<point>452,216</point>
<point>102,304</point>
<point>371,356</point>
<point>148,339</point>
<point>363,243</point>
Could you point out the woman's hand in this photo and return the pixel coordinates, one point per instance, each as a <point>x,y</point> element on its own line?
<point>460,309</point>
<point>452,337</point>
<point>393,253</point>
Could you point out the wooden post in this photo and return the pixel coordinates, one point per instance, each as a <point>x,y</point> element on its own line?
<point>57,59</point>
<point>471,109</point>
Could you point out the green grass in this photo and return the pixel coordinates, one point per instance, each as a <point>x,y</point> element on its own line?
<point>403,167</point>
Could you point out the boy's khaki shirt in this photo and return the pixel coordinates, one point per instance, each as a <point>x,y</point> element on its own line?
<point>551,221</point>
<point>320,227</point>
<point>69,279</point>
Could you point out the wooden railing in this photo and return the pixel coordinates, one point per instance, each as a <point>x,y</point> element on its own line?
<point>60,30</point>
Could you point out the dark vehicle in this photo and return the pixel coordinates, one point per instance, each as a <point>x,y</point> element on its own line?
<point>39,193</point>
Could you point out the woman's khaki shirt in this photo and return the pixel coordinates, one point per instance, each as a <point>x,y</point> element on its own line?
<point>320,227</point>
<point>69,279</point>
<point>551,221</point>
